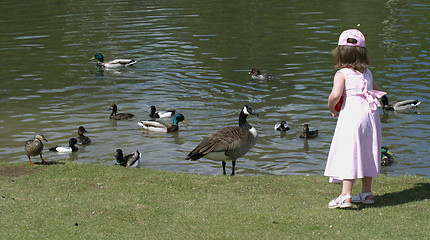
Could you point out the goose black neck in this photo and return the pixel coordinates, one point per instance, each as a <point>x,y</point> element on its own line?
<point>242,121</point>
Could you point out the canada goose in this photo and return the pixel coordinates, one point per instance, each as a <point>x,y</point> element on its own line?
<point>81,137</point>
<point>282,126</point>
<point>229,143</point>
<point>161,114</point>
<point>119,116</point>
<point>255,74</point>
<point>113,63</point>
<point>34,147</point>
<point>307,133</point>
<point>399,105</point>
<point>158,126</point>
<point>131,160</point>
<point>63,149</point>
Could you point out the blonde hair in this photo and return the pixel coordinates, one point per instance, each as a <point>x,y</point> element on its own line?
<point>351,57</point>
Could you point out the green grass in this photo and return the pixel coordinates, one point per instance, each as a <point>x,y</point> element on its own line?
<point>88,201</point>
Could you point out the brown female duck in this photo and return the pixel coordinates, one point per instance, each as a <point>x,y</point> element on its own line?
<point>119,116</point>
<point>34,147</point>
<point>81,137</point>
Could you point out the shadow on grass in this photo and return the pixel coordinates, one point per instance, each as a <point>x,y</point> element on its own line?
<point>420,192</point>
<point>14,170</point>
<point>48,163</point>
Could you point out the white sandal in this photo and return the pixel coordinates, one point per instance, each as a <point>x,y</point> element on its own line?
<point>361,198</point>
<point>340,202</point>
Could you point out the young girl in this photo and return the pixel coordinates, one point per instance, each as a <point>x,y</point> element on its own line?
<point>355,150</point>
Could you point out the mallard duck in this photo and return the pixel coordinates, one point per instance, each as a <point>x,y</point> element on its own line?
<point>282,126</point>
<point>255,74</point>
<point>118,116</point>
<point>229,143</point>
<point>307,133</point>
<point>386,156</point>
<point>160,114</point>
<point>34,147</point>
<point>81,137</point>
<point>158,126</point>
<point>63,149</point>
<point>113,63</point>
<point>131,160</point>
<point>399,105</point>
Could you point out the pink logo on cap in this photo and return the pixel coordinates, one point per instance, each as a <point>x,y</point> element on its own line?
<point>354,34</point>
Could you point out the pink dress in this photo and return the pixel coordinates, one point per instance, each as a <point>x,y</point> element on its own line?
<point>355,150</point>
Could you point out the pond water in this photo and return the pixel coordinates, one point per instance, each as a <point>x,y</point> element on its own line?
<point>194,56</point>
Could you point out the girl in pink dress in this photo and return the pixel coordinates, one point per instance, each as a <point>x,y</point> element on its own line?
<point>355,150</point>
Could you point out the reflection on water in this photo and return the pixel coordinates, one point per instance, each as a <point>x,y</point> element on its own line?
<point>194,58</point>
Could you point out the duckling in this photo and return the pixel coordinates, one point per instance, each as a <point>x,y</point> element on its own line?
<point>386,156</point>
<point>158,126</point>
<point>113,63</point>
<point>282,126</point>
<point>82,138</point>
<point>119,116</point>
<point>70,148</point>
<point>255,74</point>
<point>229,143</point>
<point>34,147</point>
<point>399,105</point>
<point>131,160</point>
<point>307,133</point>
<point>161,114</point>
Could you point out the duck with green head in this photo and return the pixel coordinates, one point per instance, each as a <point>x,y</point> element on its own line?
<point>386,156</point>
<point>116,63</point>
<point>158,126</point>
<point>403,105</point>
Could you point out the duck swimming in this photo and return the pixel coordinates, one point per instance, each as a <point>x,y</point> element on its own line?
<point>116,63</point>
<point>131,160</point>
<point>161,114</point>
<point>255,74</point>
<point>34,147</point>
<point>386,156</point>
<point>158,126</point>
<point>282,126</point>
<point>399,105</point>
<point>229,143</point>
<point>81,137</point>
<point>118,116</point>
<point>307,133</point>
<point>70,148</point>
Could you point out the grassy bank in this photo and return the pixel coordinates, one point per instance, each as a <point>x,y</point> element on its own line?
<point>88,201</point>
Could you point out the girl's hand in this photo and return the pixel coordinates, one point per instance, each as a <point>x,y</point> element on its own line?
<point>335,114</point>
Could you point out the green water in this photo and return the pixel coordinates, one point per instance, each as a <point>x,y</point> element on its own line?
<point>194,56</point>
